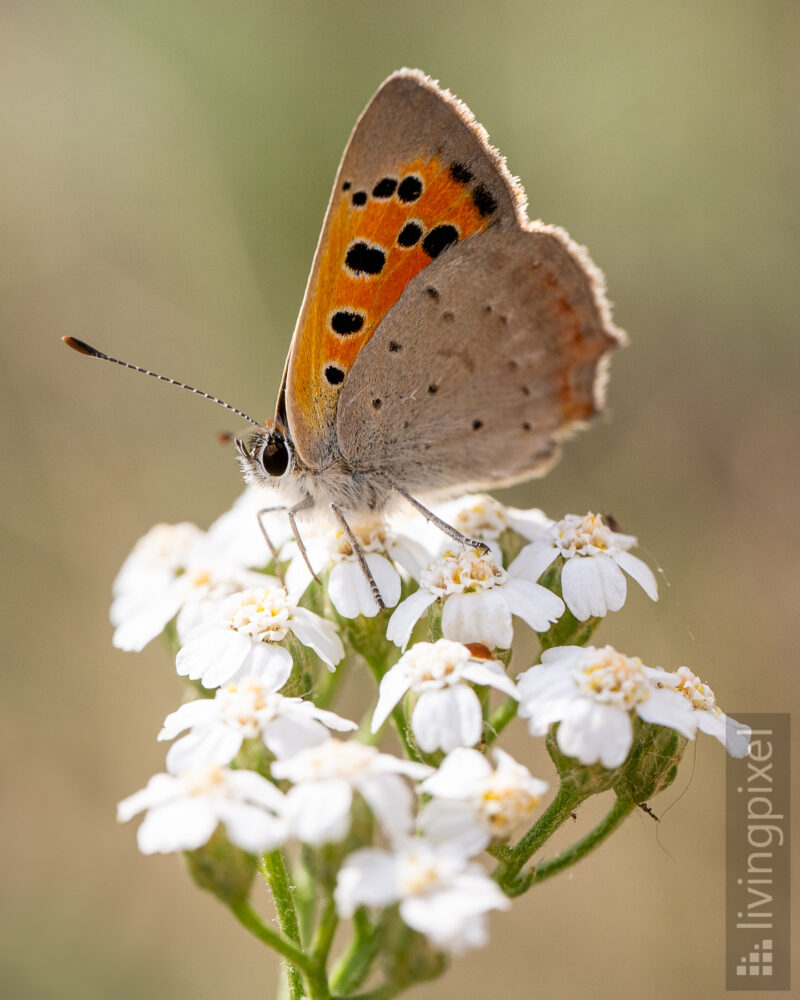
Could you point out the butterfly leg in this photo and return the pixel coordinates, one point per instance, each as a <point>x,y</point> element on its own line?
<point>448,529</point>
<point>358,552</point>
<point>290,513</point>
<point>270,544</point>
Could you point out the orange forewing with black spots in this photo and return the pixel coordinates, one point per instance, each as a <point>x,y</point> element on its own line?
<point>379,239</point>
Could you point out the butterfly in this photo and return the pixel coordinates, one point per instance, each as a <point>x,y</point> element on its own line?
<point>445,342</point>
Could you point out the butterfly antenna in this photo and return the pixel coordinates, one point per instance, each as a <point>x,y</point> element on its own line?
<point>92,352</point>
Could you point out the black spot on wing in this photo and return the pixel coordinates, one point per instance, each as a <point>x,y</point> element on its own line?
<point>360,198</point>
<point>460,173</point>
<point>334,375</point>
<point>384,188</point>
<point>409,235</point>
<point>484,200</point>
<point>409,188</point>
<point>345,321</point>
<point>439,239</point>
<point>363,258</point>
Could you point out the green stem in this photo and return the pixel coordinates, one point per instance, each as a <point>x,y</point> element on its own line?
<point>507,873</point>
<point>595,837</point>
<point>353,967</point>
<point>323,936</point>
<point>273,868</point>
<point>499,719</point>
<point>403,731</point>
<point>248,918</point>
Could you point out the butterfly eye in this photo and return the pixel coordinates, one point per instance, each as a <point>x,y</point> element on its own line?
<point>275,456</point>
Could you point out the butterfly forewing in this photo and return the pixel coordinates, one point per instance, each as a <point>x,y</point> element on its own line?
<point>417,179</point>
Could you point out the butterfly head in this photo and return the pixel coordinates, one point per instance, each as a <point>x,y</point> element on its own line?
<point>267,457</point>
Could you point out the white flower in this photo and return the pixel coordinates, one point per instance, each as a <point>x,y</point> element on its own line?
<point>237,532</point>
<point>241,636</point>
<point>475,803</point>
<point>183,810</point>
<point>592,693</point>
<point>479,597</point>
<point>447,713</point>
<point>481,517</point>
<point>592,581</point>
<point>441,894</point>
<point>348,588</point>
<point>707,716</point>
<point>249,709</point>
<point>173,570</point>
<point>326,776</point>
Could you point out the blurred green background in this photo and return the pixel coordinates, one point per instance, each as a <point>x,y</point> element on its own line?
<point>164,169</point>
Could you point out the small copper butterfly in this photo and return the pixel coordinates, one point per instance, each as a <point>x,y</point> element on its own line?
<point>445,341</point>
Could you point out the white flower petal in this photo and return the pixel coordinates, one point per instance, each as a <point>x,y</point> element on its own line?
<point>250,827</point>
<point>737,737</point>
<point>638,571</point>
<point>331,719</point>
<point>452,917</point>
<point>391,801</point>
<point>533,560</point>
<point>217,653</point>
<point>545,696</point>
<point>447,719</point>
<point>194,713</point>
<point>666,707</point>
<point>406,615</point>
<point>410,554</point>
<point>271,664</point>
<point>595,732</point>
<point>298,577</point>
<point>318,634</point>
<point>461,775</point>
<point>537,606</point>
<point>288,735</point>
<point>592,586</point>
<point>211,744</point>
<point>148,621</point>
<point>367,878</point>
<point>531,524</point>
<point>478,617</point>
<point>182,825</point>
<point>455,824</point>
<point>350,592</point>
<point>393,687</point>
<point>256,789</point>
<point>161,788</point>
<point>489,673</point>
<point>319,811</point>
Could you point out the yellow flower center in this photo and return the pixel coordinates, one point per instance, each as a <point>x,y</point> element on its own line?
<point>583,536</point>
<point>462,572</point>
<point>699,695</point>
<point>261,614</point>
<point>615,679</point>
<point>419,872</point>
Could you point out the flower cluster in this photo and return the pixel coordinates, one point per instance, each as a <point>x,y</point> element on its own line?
<point>260,764</point>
